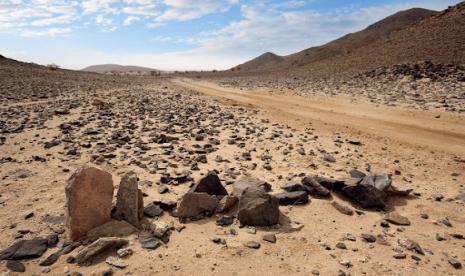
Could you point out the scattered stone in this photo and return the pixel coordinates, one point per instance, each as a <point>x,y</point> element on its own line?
<point>116,262</point>
<point>411,245</point>
<point>396,218</point>
<point>15,266</point>
<point>225,221</point>
<point>454,263</point>
<point>368,238</point>
<point>25,249</point>
<point>400,256</point>
<point>149,242</point>
<point>252,244</point>
<point>89,195</point>
<point>269,238</point>
<point>124,252</point>
<point>153,210</point>
<point>51,259</point>
<point>346,210</point>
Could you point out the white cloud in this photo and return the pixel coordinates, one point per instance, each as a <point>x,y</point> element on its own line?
<point>51,32</point>
<point>101,20</point>
<point>182,10</point>
<point>130,19</point>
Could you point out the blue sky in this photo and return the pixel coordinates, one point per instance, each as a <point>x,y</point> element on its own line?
<point>180,34</point>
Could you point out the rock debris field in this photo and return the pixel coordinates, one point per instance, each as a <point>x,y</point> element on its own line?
<point>105,175</point>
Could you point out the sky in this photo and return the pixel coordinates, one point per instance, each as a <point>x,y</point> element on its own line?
<point>180,34</point>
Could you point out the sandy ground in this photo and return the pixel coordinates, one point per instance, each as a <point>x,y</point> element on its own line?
<point>425,149</point>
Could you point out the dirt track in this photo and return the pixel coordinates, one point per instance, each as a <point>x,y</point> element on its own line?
<point>434,130</point>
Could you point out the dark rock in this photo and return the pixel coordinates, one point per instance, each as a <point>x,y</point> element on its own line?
<point>293,187</point>
<point>257,208</point>
<point>269,238</point>
<point>25,249</point>
<point>411,245</point>
<point>225,221</point>
<point>210,184</point>
<point>15,266</point>
<point>454,263</point>
<point>51,259</point>
<point>149,242</point>
<point>368,238</point>
<point>292,198</point>
<point>52,240</point>
<point>314,187</point>
<point>153,210</point>
<point>252,244</point>
<point>366,195</point>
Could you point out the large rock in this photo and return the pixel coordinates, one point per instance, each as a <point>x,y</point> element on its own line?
<point>89,194</point>
<point>380,181</point>
<point>197,204</point>
<point>98,248</point>
<point>25,249</point>
<point>250,183</point>
<point>129,201</point>
<point>366,195</point>
<point>257,208</point>
<point>210,184</point>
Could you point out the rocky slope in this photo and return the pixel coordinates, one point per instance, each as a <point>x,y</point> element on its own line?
<point>408,36</point>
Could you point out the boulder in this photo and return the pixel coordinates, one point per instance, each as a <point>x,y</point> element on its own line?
<point>314,187</point>
<point>129,201</point>
<point>250,183</point>
<point>25,249</point>
<point>292,198</point>
<point>366,195</point>
<point>381,181</point>
<point>197,204</point>
<point>210,184</point>
<point>98,248</point>
<point>257,208</point>
<point>89,194</point>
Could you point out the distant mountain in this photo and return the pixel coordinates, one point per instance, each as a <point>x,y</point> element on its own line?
<point>108,68</point>
<point>407,36</point>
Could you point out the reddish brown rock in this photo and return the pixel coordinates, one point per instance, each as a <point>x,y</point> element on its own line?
<point>397,218</point>
<point>89,194</point>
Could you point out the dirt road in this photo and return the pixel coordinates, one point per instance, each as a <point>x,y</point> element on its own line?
<point>434,130</point>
